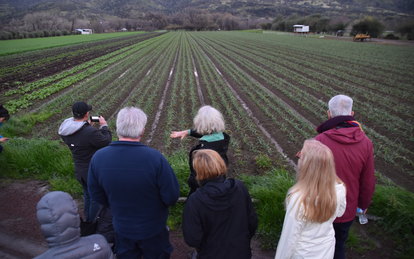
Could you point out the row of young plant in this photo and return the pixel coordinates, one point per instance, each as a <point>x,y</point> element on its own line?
<point>394,60</point>
<point>336,73</point>
<point>272,76</point>
<point>293,127</point>
<point>248,143</point>
<point>371,85</point>
<point>19,63</point>
<point>394,126</point>
<point>109,90</point>
<point>181,104</point>
<point>58,82</point>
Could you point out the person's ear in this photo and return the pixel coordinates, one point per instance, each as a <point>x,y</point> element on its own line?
<point>352,113</point>
<point>329,114</point>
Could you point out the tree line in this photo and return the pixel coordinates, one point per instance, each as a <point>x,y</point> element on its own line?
<point>54,23</point>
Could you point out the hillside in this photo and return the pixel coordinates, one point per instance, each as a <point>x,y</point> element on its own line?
<point>249,8</point>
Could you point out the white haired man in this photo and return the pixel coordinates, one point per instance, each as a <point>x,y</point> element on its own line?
<point>354,163</point>
<point>209,128</point>
<point>139,185</point>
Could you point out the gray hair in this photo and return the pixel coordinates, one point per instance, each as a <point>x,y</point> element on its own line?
<point>208,120</point>
<point>130,122</point>
<point>340,105</point>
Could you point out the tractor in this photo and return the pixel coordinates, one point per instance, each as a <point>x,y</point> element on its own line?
<point>361,37</point>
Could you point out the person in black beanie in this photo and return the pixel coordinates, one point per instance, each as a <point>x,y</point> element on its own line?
<point>83,141</point>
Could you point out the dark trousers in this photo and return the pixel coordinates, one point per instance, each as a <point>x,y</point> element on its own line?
<point>91,207</point>
<point>156,247</point>
<point>341,235</point>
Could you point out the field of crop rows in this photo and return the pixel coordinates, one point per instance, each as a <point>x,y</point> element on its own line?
<point>272,90</point>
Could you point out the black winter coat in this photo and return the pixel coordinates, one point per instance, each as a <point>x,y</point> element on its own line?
<point>220,147</point>
<point>219,220</point>
<point>83,141</point>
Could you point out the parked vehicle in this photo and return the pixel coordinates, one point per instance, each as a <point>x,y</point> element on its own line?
<point>361,37</point>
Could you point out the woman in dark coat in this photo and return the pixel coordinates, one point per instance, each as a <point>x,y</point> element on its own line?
<point>219,219</point>
<point>209,129</point>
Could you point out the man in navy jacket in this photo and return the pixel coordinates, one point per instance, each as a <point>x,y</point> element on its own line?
<point>138,185</point>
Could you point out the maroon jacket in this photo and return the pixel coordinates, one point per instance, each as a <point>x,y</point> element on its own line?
<point>354,162</point>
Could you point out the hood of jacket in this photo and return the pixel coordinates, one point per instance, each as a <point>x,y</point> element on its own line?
<point>217,194</point>
<point>345,135</point>
<point>59,219</point>
<point>70,126</point>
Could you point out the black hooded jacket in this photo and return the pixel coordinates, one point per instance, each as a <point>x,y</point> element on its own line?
<point>219,220</point>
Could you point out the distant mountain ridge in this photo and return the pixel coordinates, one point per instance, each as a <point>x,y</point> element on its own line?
<point>251,8</point>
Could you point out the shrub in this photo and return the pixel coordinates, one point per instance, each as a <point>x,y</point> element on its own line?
<point>368,25</point>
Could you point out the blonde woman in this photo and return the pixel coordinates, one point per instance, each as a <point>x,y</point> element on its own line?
<point>209,128</point>
<point>219,219</point>
<point>312,204</point>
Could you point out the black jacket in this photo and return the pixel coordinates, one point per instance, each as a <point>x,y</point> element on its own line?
<point>219,220</point>
<point>83,141</point>
<point>220,147</point>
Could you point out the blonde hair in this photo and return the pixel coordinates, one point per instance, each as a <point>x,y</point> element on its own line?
<point>208,120</point>
<point>208,164</point>
<point>316,179</point>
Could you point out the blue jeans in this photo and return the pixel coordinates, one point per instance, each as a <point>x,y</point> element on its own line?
<point>341,235</point>
<point>91,207</point>
<point>156,247</point>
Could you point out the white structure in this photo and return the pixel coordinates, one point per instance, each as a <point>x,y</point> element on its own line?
<point>84,31</point>
<point>301,28</point>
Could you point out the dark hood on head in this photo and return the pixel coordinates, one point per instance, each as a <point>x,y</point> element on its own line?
<point>217,193</point>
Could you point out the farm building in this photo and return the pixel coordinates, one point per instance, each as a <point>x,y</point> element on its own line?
<point>300,28</point>
<point>84,31</point>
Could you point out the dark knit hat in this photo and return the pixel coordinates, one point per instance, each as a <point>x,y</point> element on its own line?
<point>79,109</point>
<point>4,113</point>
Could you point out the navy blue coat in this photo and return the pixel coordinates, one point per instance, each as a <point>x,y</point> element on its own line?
<point>137,183</point>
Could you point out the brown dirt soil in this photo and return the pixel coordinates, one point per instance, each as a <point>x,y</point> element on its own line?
<point>18,199</point>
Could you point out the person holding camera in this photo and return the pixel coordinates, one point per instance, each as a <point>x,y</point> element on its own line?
<point>83,141</point>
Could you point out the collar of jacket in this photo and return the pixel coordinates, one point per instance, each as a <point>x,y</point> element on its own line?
<point>127,143</point>
<point>213,137</point>
<point>336,121</point>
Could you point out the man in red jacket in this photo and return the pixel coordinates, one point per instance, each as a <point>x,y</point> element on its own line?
<point>354,162</point>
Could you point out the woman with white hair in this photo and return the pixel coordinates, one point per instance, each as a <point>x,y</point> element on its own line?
<point>209,128</point>
<point>312,204</point>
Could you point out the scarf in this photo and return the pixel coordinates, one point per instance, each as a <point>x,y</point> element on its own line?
<point>338,122</point>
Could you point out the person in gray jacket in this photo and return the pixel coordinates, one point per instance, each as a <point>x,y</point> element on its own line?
<point>59,221</point>
<point>83,141</point>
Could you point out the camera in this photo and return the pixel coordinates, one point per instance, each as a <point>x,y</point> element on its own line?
<point>94,118</point>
